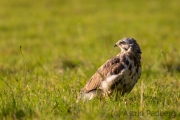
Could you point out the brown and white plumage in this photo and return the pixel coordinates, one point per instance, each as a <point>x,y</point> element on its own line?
<point>119,73</point>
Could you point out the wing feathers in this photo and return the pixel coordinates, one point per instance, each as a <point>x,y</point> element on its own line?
<point>113,66</point>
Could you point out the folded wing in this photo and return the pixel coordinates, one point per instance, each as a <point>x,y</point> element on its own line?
<point>114,66</point>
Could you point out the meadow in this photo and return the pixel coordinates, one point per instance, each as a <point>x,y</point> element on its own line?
<point>50,48</point>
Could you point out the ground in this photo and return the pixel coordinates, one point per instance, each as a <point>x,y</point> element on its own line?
<point>49,49</point>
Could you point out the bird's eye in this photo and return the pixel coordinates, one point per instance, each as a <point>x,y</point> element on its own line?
<point>122,42</point>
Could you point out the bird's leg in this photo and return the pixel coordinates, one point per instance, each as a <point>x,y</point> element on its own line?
<point>116,94</point>
<point>116,97</point>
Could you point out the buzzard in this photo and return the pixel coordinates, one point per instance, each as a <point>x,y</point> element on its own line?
<point>119,74</point>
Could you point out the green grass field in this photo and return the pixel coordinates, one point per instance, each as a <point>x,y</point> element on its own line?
<point>64,42</point>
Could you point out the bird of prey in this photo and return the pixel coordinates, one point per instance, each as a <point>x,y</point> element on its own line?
<point>119,73</point>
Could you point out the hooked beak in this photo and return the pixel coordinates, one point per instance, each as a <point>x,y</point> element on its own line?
<point>115,45</point>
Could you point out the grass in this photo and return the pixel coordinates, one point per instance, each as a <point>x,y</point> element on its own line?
<point>63,44</point>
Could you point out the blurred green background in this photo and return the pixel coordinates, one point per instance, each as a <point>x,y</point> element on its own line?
<point>63,44</point>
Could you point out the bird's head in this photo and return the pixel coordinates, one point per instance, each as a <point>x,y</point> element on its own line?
<point>128,45</point>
